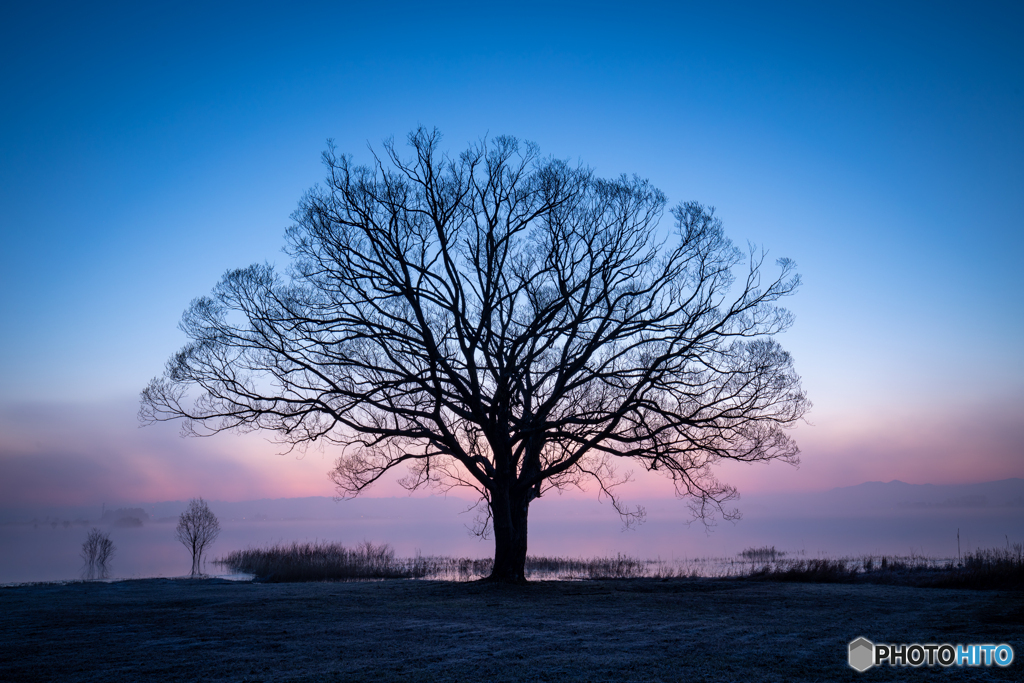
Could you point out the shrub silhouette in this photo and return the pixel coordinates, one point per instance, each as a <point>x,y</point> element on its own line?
<point>97,551</point>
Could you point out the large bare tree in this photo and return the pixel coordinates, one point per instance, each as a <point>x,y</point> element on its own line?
<point>501,321</point>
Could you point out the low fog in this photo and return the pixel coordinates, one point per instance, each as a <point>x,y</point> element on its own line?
<point>873,518</point>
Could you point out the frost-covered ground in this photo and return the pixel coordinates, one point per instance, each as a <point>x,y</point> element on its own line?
<point>611,630</point>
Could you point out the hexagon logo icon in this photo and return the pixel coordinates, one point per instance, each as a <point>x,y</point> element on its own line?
<point>862,654</point>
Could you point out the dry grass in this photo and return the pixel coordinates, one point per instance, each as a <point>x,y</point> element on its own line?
<point>996,568</point>
<point>334,562</point>
<point>319,562</point>
<point>984,569</point>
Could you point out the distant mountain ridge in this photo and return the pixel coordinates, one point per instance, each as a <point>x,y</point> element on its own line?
<point>1004,492</point>
<point>876,497</point>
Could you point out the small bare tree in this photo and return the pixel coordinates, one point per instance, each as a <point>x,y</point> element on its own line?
<point>97,550</point>
<point>197,529</point>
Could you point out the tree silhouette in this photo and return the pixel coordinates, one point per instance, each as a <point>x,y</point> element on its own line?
<point>97,551</point>
<point>197,529</point>
<point>500,321</point>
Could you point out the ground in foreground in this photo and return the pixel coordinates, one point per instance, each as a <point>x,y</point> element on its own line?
<point>613,630</point>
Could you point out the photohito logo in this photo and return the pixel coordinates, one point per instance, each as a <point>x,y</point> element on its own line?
<point>864,654</point>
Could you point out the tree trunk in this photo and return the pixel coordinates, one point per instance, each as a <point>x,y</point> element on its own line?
<point>508,516</point>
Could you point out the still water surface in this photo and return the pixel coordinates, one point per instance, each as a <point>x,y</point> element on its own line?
<point>51,552</point>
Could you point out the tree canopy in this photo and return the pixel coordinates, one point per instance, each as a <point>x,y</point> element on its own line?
<point>501,321</point>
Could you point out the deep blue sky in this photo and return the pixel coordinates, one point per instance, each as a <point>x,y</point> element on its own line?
<point>145,149</point>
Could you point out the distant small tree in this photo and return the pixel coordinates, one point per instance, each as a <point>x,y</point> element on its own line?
<point>197,529</point>
<point>97,551</point>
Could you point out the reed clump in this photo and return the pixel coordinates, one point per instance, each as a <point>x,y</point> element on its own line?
<point>997,568</point>
<point>993,568</point>
<point>763,554</point>
<point>820,570</point>
<point>319,561</point>
<point>564,568</point>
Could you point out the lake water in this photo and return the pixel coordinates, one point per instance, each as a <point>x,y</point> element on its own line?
<point>49,550</point>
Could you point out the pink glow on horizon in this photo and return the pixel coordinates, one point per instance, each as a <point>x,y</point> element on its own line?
<point>96,454</point>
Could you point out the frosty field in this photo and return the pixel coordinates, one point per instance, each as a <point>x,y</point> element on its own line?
<point>611,630</point>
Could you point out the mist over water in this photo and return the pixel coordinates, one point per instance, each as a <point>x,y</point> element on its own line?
<point>870,519</point>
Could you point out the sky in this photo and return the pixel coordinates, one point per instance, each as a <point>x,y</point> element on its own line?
<point>146,148</point>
